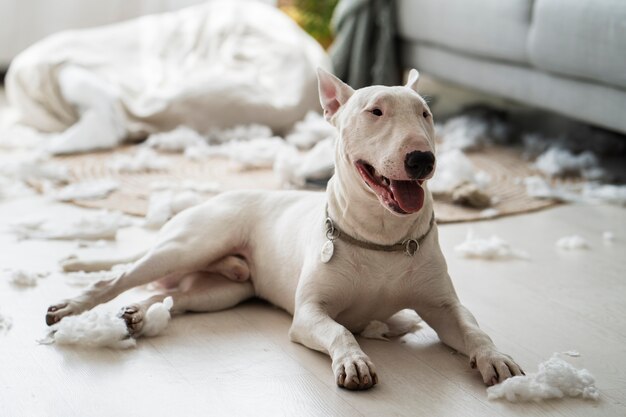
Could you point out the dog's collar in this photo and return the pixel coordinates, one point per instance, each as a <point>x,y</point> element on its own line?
<point>408,246</point>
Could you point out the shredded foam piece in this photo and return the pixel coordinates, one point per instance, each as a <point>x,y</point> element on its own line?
<point>165,204</point>
<point>5,323</point>
<point>491,248</point>
<point>310,131</point>
<point>454,169</point>
<point>573,242</point>
<point>143,160</point>
<point>93,226</point>
<point>23,278</point>
<point>157,317</point>
<point>176,140</point>
<point>558,162</point>
<point>87,190</point>
<point>572,353</point>
<point>556,378</point>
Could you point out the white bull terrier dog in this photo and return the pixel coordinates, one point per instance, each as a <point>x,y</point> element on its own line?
<point>363,251</point>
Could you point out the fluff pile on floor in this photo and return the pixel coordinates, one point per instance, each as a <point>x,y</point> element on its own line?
<point>102,224</point>
<point>555,378</point>
<point>5,323</point>
<point>491,248</point>
<point>23,278</point>
<point>95,328</point>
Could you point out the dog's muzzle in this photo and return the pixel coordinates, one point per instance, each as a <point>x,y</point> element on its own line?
<point>418,164</point>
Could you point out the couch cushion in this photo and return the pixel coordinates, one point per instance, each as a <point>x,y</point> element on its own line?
<point>604,105</point>
<point>580,38</point>
<point>490,28</point>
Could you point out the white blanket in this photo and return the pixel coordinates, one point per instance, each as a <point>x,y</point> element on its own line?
<point>210,66</point>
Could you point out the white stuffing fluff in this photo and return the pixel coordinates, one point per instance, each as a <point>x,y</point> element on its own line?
<point>95,328</point>
<point>538,187</point>
<point>591,193</point>
<point>489,213</point>
<point>573,242</point>
<point>463,132</point>
<point>556,378</point>
<point>87,190</point>
<point>176,140</point>
<point>310,131</point>
<point>5,323</point>
<point>33,166</point>
<point>293,168</point>
<point>23,278</point>
<point>558,162</point>
<point>453,169</point>
<point>376,330</point>
<point>143,160</point>
<point>13,189</point>
<point>252,154</point>
<point>165,204</point>
<point>608,237</point>
<point>491,248</point>
<point>102,224</point>
<point>157,317</point>
<point>572,353</point>
<point>240,133</point>
<point>186,185</point>
<point>82,278</point>
<point>612,194</point>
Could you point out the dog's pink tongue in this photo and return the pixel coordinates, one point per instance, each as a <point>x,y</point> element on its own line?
<point>408,194</point>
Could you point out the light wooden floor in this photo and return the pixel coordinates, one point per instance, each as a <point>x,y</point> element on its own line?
<point>241,363</point>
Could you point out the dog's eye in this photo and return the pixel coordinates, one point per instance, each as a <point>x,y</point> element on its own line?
<point>425,114</point>
<point>377,112</point>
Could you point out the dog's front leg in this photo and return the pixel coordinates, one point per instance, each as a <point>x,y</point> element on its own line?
<point>457,328</point>
<point>314,328</point>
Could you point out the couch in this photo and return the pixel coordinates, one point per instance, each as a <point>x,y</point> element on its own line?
<point>567,56</point>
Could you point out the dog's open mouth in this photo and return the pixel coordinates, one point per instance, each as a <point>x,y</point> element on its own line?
<point>403,197</point>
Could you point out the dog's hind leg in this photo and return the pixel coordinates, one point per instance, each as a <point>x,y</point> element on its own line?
<point>197,292</point>
<point>73,263</point>
<point>182,248</point>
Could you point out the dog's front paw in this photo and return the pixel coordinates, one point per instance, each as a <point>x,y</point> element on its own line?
<point>355,371</point>
<point>494,366</point>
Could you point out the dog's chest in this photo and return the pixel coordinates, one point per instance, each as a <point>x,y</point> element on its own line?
<point>378,285</point>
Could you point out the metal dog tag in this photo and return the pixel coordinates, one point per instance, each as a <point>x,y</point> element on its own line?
<point>328,248</point>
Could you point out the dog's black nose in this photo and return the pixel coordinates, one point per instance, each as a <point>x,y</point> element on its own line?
<point>419,164</point>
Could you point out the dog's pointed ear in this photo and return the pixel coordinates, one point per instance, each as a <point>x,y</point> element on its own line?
<point>334,93</point>
<point>414,77</point>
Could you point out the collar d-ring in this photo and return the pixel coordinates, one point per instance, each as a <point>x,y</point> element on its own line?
<point>411,246</point>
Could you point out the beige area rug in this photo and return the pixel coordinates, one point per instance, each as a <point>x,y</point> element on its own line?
<point>505,167</point>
